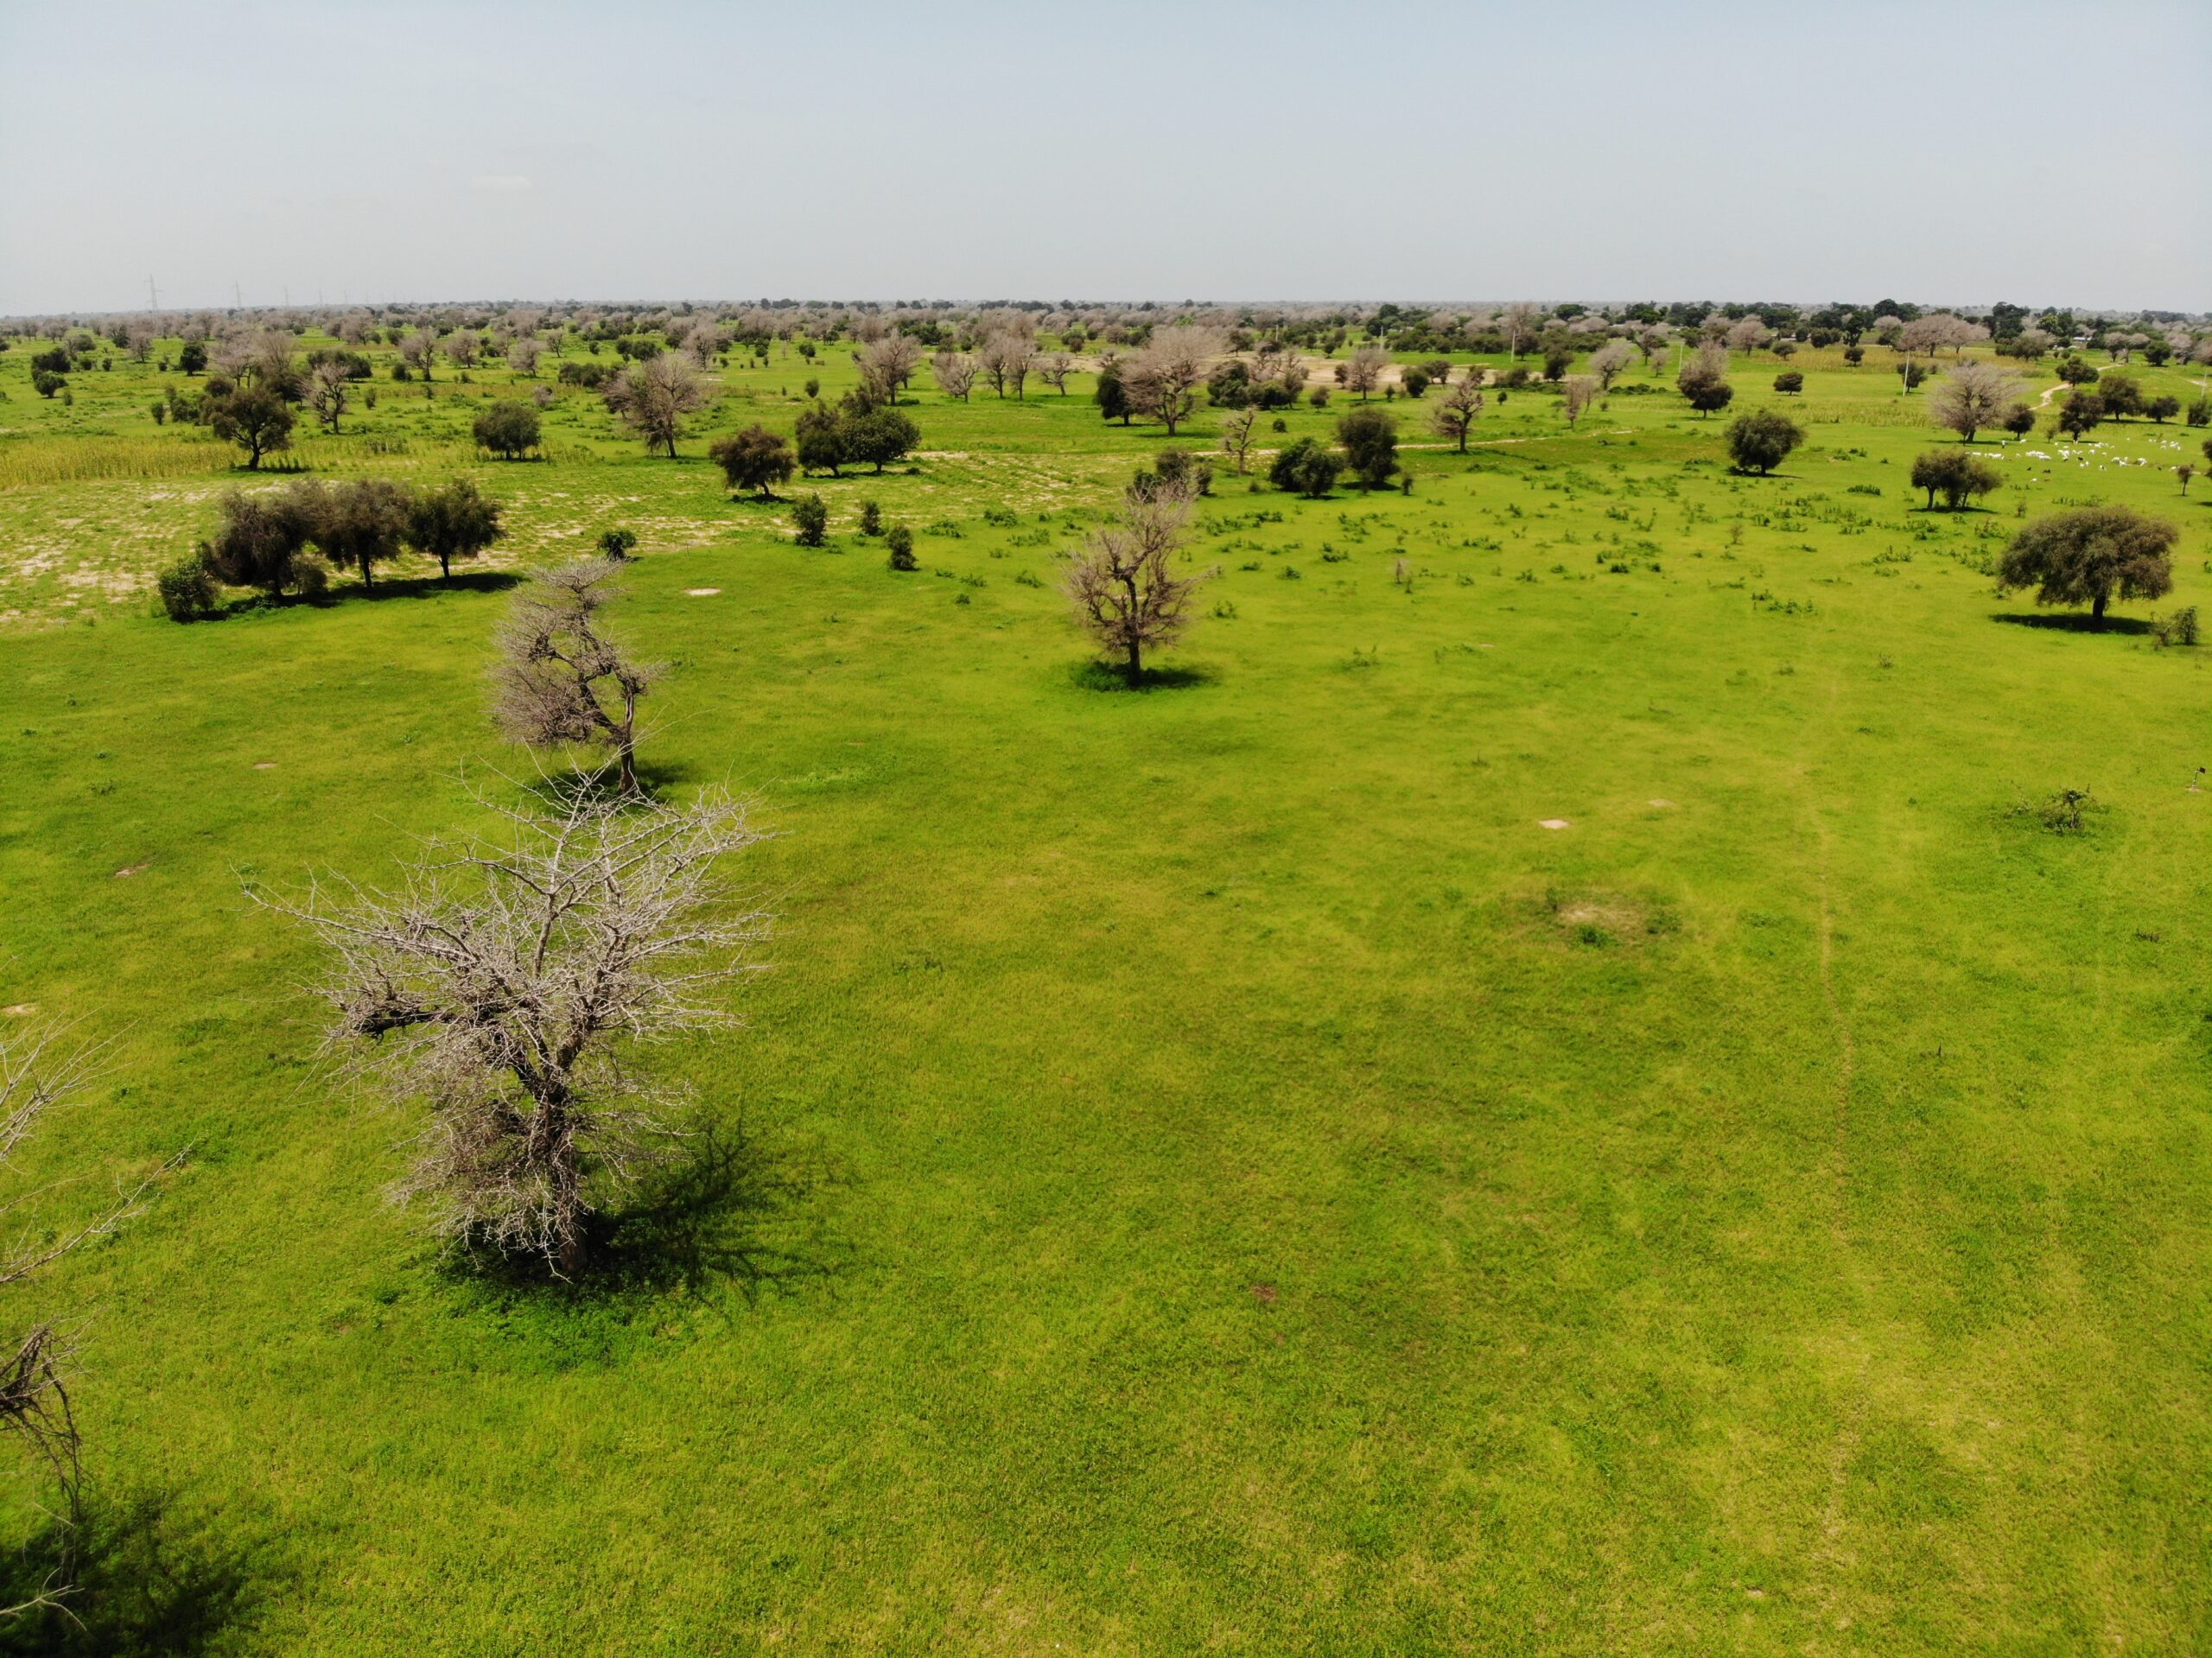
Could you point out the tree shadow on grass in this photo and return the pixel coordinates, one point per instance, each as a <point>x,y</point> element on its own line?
<point>558,791</point>
<point>1102,677</point>
<point>148,1584</point>
<point>2068,621</point>
<point>723,1210</point>
<point>429,587</point>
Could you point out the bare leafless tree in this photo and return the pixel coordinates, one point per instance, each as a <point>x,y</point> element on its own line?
<point>496,983</point>
<point>1120,585</point>
<point>1747,334</point>
<point>1237,426</point>
<point>1163,380</point>
<point>1973,395</point>
<point>1453,415</point>
<point>1276,364</point>
<point>560,680</point>
<point>887,364</point>
<point>328,389</point>
<point>954,373</point>
<point>1609,360</point>
<point>523,355</point>
<point>41,1071</point>
<point>1577,393</point>
<point>1053,368</point>
<point>655,395</point>
<point>1006,358</point>
<point>1519,322</point>
<point>419,351</point>
<point>1362,371</point>
<point>462,347</point>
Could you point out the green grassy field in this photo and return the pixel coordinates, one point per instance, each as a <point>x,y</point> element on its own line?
<point>1211,1172</point>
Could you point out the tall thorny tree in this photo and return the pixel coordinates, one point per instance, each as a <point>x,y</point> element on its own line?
<point>560,680</point>
<point>1120,584</point>
<point>499,983</point>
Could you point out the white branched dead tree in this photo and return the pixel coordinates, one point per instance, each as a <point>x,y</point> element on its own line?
<point>1973,394</point>
<point>1577,393</point>
<point>655,395</point>
<point>38,1073</point>
<point>1454,414</point>
<point>887,364</point>
<point>1362,371</point>
<point>560,680</point>
<point>326,394</point>
<point>1120,584</point>
<point>500,984</point>
<point>1236,427</point>
<point>1163,380</point>
<point>954,373</point>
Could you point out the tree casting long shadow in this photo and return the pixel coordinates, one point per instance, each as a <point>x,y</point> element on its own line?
<point>1102,677</point>
<point>724,1210</point>
<point>149,1585</point>
<point>2069,621</point>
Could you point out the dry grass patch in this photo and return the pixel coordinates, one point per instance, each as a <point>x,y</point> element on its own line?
<point>1591,919</point>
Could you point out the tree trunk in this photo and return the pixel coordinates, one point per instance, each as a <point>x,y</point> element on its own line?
<point>2097,608</point>
<point>1136,661</point>
<point>445,564</point>
<point>629,757</point>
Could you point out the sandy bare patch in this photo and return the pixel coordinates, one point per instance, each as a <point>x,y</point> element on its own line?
<point>1663,805</point>
<point>701,593</point>
<point>1552,823</point>
<point>264,765</point>
<point>129,870</point>
<point>20,1010</point>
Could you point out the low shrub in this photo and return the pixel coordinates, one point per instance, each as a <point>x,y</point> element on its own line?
<point>810,519</point>
<point>187,592</point>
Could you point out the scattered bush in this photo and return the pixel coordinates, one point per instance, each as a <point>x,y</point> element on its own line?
<point>2065,813</point>
<point>508,429</point>
<point>1792,381</point>
<point>1762,441</point>
<point>1955,475</point>
<point>810,519</point>
<point>2180,628</point>
<point>188,591</point>
<point>1370,440</point>
<point>755,459</point>
<point>901,542</point>
<point>1306,468</point>
<point>871,519</point>
<point>617,544</point>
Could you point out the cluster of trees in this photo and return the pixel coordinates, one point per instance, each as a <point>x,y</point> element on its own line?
<point>857,432</point>
<point>1955,475</point>
<point>288,541</point>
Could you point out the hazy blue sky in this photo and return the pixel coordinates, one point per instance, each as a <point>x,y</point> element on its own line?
<point>1942,151</point>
